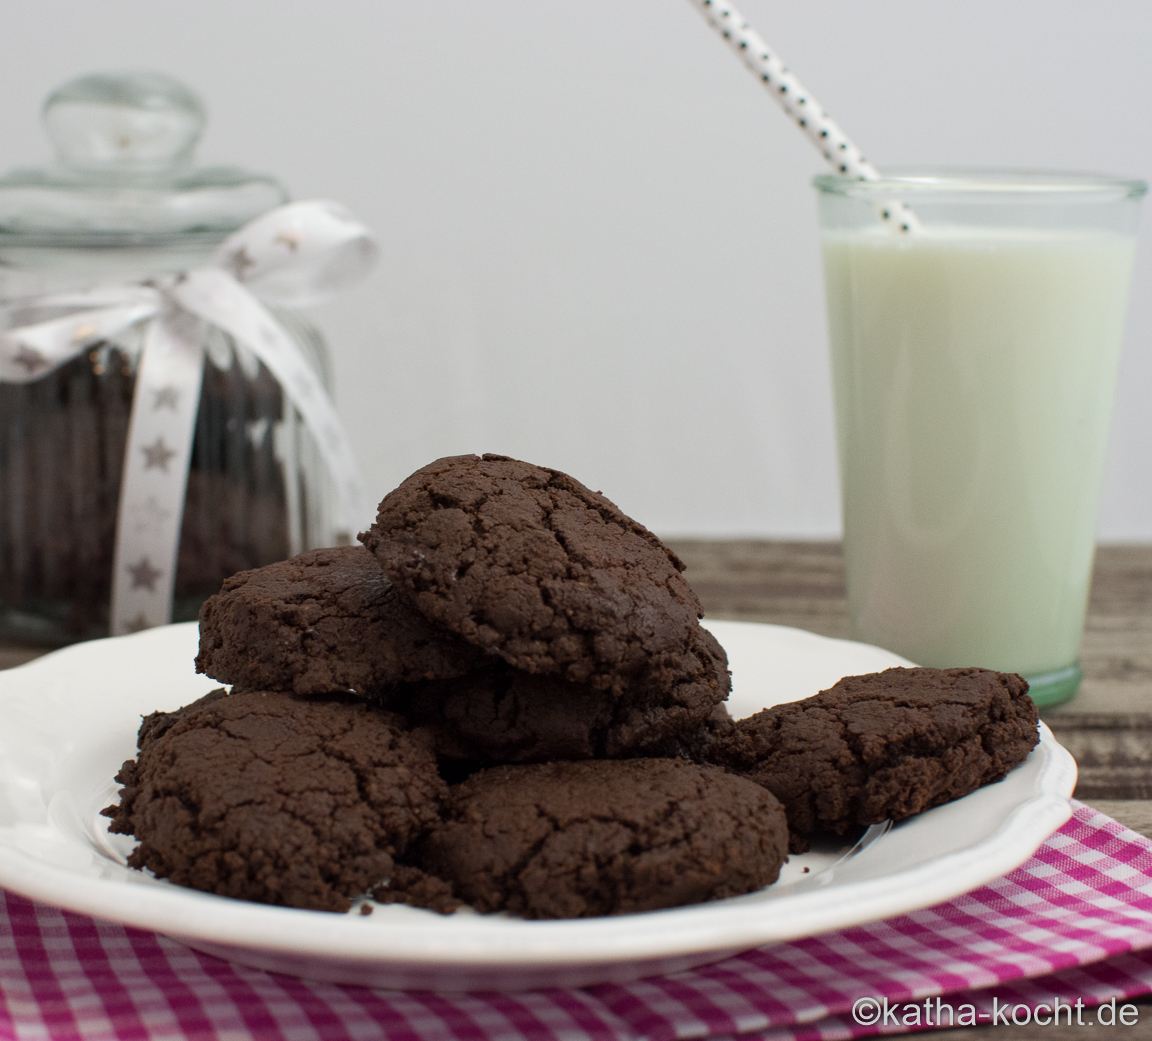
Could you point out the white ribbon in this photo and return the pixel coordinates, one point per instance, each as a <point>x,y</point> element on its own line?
<point>294,256</point>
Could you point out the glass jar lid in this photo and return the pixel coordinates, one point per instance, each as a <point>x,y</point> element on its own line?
<point>124,172</point>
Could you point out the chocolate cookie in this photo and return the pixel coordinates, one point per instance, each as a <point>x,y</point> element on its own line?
<point>696,745</point>
<point>274,798</point>
<point>409,885</point>
<point>502,715</point>
<point>527,562</point>
<point>326,620</point>
<point>570,840</point>
<point>885,745</point>
<point>157,724</point>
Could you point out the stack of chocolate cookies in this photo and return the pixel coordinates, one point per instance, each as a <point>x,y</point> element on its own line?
<point>505,697</point>
<point>514,612</point>
<point>502,627</point>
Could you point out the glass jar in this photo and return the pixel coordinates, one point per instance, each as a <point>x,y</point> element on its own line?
<point>125,205</point>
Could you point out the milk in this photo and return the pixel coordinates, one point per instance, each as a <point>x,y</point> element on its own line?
<point>974,374</point>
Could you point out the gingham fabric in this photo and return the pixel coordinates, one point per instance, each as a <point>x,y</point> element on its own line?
<point>1074,922</point>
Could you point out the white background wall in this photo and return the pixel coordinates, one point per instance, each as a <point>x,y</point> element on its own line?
<point>599,236</point>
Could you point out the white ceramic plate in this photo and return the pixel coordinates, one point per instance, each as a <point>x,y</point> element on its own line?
<point>69,719</point>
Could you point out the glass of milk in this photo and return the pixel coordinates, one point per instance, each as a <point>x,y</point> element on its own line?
<point>974,362</point>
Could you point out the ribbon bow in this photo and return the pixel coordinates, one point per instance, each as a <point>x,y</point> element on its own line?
<point>294,256</point>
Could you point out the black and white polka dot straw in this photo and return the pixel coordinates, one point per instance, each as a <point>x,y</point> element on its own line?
<point>799,103</point>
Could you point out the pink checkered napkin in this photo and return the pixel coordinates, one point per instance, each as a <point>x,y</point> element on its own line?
<point>1074,922</point>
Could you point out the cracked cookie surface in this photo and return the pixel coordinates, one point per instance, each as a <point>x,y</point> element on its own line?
<point>574,839</point>
<point>502,715</point>
<point>274,798</point>
<point>885,745</point>
<point>526,562</point>
<point>326,620</point>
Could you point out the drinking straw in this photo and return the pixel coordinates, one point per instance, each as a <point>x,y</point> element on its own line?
<point>799,103</point>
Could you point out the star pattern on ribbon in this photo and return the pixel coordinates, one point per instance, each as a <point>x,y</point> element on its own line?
<point>157,454</point>
<point>83,332</point>
<point>144,575</point>
<point>290,239</point>
<point>165,397</point>
<point>238,262</point>
<point>137,624</point>
<point>30,358</point>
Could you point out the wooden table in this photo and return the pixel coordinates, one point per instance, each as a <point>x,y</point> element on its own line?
<point>1107,726</point>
